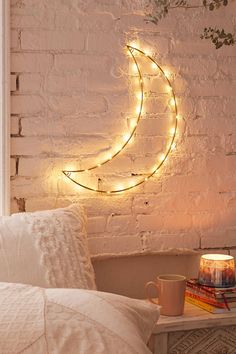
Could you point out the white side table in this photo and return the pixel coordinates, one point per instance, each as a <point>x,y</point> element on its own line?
<point>196,332</point>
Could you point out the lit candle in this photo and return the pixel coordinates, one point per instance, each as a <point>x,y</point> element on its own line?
<point>217,270</point>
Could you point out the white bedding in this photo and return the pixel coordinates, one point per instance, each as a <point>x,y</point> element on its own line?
<point>34,320</point>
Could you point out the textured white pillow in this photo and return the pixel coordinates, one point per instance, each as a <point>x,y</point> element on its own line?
<point>73,321</point>
<point>46,248</point>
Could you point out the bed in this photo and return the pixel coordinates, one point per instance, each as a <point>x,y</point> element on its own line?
<point>48,297</point>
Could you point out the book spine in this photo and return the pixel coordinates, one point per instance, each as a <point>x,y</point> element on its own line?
<point>201,290</point>
<point>209,300</point>
<point>203,305</point>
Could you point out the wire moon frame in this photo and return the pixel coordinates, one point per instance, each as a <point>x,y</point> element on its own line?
<point>68,173</point>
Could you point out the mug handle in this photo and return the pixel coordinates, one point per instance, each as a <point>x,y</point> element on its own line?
<point>147,286</point>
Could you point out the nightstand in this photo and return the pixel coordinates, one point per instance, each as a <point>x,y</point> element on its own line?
<point>197,331</point>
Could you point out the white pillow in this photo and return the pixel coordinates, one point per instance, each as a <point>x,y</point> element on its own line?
<point>46,248</point>
<point>73,321</point>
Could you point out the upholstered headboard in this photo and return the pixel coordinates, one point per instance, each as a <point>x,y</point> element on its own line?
<point>127,275</point>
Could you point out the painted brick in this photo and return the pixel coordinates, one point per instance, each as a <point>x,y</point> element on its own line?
<point>12,167</point>
<point>82,104</point>
<point>154,43</point>
<point>96,225</point>
<point>150,222</point>
<point>76,62</point>
<point>99,22</point>
<point>35,204</point>
<point>21,187</point>
<point>65,83</point>
<point>38,18</point>
<point>65,19</point>
<point>201,67</point>
<point>110,83</point>
<point>52,40</point>
<point>210,88</point>
<point>26,104</point>
<point>13,82</point>
<point>31,62</point>
<point>13,206</point>
<point>104,43</point>
<point>30,83</point>
<point>97,204</point>
<point>121,225</point>
<point>233,253</point>
<point>189,47</point>
<point>227,67</point>
<point>115,245</point>
<point>219,238</point>
<point>182,241</point>
<point>34,167</point>
<point>15,43</point>
<point>62,146</point>
<point>14,125</point>
<point>77,98</point>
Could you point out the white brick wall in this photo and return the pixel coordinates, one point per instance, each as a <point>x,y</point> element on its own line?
<point>72,100</point>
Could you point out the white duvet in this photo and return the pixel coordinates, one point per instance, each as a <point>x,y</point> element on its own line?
<point>34,320</point>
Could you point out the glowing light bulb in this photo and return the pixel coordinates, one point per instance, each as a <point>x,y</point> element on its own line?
<point>162,157</point>
<point>133,123</point>
<point>126,137</point>
<point>139,96</point>
<point>154,65</point>
<point>134,67</point>
<point>119,147</point>
<point>134,45</point>
<point>145,179</point>
<point>98,165</point>
<point>119,187</point>
<point>138,109</point>
<point>147,52</point>
<point>172,102</point>
<point>167,73</point>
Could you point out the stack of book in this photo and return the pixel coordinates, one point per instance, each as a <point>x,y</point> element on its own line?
<point>214,300</point>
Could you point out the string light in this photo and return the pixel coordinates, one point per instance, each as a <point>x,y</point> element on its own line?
<point>172,130</point>
<point>163,156</point>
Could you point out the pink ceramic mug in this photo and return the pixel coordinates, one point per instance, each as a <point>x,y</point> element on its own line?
<point>170,292</point>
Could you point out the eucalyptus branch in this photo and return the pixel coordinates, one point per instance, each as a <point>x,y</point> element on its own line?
<point>218,37</point>
<point>161,8</point>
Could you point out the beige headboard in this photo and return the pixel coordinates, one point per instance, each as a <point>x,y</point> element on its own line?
<point>127,275</point>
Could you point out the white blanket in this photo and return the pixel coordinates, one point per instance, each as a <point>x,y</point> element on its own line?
<point>34,320</point>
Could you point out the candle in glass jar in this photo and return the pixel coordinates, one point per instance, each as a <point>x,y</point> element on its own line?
<point>217,270</point>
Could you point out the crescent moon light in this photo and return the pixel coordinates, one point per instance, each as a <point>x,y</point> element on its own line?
<point>127,137</point>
